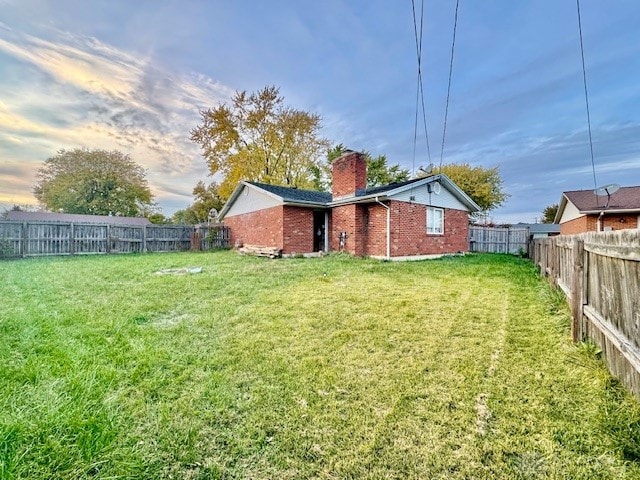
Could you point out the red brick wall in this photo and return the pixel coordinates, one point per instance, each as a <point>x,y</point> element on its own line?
<point>263,228</point>
<point>349,174</point>
<point>349,219</point>
<point>578,225</point>
<point>298,230</point>
<point>409,231</point>
<point>287,228</point>
<point>589,223</point>
<point>375,226</point>
<point>613,221</point>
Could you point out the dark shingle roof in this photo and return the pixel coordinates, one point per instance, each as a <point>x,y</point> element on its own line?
<point>627,198</point>
<point>289,194</point>
<point>20,216</point>
<point>386,188</point>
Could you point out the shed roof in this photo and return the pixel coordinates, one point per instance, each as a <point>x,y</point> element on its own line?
<point>20,216</point>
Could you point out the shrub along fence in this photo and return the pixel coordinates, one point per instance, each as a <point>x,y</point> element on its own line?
<point>600,275</point>
<point>27,239</point>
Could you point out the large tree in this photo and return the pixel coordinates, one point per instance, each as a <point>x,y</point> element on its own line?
<point>96,182</point>
<point>379,172</point>
<point>483,185</point>
<point>258,138</point>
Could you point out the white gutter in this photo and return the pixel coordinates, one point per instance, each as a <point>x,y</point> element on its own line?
<point>388,227</point>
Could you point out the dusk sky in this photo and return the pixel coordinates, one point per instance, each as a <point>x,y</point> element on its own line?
<point>132,76</point>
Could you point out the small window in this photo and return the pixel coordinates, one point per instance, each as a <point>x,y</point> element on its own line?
<point>435,221</point>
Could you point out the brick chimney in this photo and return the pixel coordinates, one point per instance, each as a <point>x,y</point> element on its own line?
<point>349,173</point>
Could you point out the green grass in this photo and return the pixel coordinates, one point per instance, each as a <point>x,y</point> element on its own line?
<point>326,368</point>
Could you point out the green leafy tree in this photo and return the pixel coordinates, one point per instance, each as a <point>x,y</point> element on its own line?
<point>483,185</point>
<point>549,213</point>
<point>95,182</point>
<point>378,170</point>
<point>259,138</point>
<point>158,218</point>
<point>207,197</point>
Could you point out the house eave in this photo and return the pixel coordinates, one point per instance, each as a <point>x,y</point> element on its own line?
<point>302,203</point>
<point>610,210</point>
<point>361,199</point>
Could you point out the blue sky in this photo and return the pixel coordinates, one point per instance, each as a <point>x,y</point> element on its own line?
<point>132,76</point>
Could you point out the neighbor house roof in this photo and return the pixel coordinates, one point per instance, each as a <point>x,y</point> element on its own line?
<point>586,201</point>
<point>626,198</point>
<point>539,227</point>
<point>20,216</point>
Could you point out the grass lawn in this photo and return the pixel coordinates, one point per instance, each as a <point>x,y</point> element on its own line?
<point>332,368</point>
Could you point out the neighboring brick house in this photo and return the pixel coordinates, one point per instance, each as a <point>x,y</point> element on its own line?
<point>583,211</point>
<point>420,217</point>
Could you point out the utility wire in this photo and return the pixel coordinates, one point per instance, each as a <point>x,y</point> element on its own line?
<point>420,88</point>
<point>586,100</point>
<point>446,108</point>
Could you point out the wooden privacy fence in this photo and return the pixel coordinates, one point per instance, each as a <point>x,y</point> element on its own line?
<point>26,239</point>
<point>600,275</point>
<point>498,240</point>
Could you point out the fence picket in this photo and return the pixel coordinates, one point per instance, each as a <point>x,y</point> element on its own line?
<point>23,239</point>
<point>600,275</point>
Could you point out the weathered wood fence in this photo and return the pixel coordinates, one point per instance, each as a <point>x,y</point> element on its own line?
<point>498,240</point>
<point>27,239</point>
<point>600,275</point>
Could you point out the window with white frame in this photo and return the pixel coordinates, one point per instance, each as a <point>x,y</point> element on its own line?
<point>435,221</point>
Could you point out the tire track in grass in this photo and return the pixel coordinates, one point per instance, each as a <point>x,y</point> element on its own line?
<point>428,423</point>
<point>483,413</point>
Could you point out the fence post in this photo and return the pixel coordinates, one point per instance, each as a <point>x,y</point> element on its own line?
<point>108,239</point>
<point>25,238</point>
<point>576,289</point>
<point>72,239</point>
<point>144,239</point>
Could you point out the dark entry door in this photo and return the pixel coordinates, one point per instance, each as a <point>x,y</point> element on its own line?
<point>318,231</point>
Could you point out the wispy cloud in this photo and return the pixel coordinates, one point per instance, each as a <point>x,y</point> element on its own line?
<point>80,92</point>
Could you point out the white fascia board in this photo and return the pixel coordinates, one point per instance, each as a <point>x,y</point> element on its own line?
<point>561,206</point>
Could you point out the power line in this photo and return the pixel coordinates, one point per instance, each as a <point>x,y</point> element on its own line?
<point>446,108</point>
<point>420,88</point>
<point>586,100</point>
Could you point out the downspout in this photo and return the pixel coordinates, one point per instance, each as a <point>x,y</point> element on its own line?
<point>326,231</point>
<point>388,228</point>
<point>599,222</point>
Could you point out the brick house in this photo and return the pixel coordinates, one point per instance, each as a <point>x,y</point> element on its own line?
<point>420,217</point>
<point>583,211</point>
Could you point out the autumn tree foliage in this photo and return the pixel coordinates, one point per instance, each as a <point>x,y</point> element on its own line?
<point>483,185</point>
<point>95,182</point>
<point>259,138</point>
